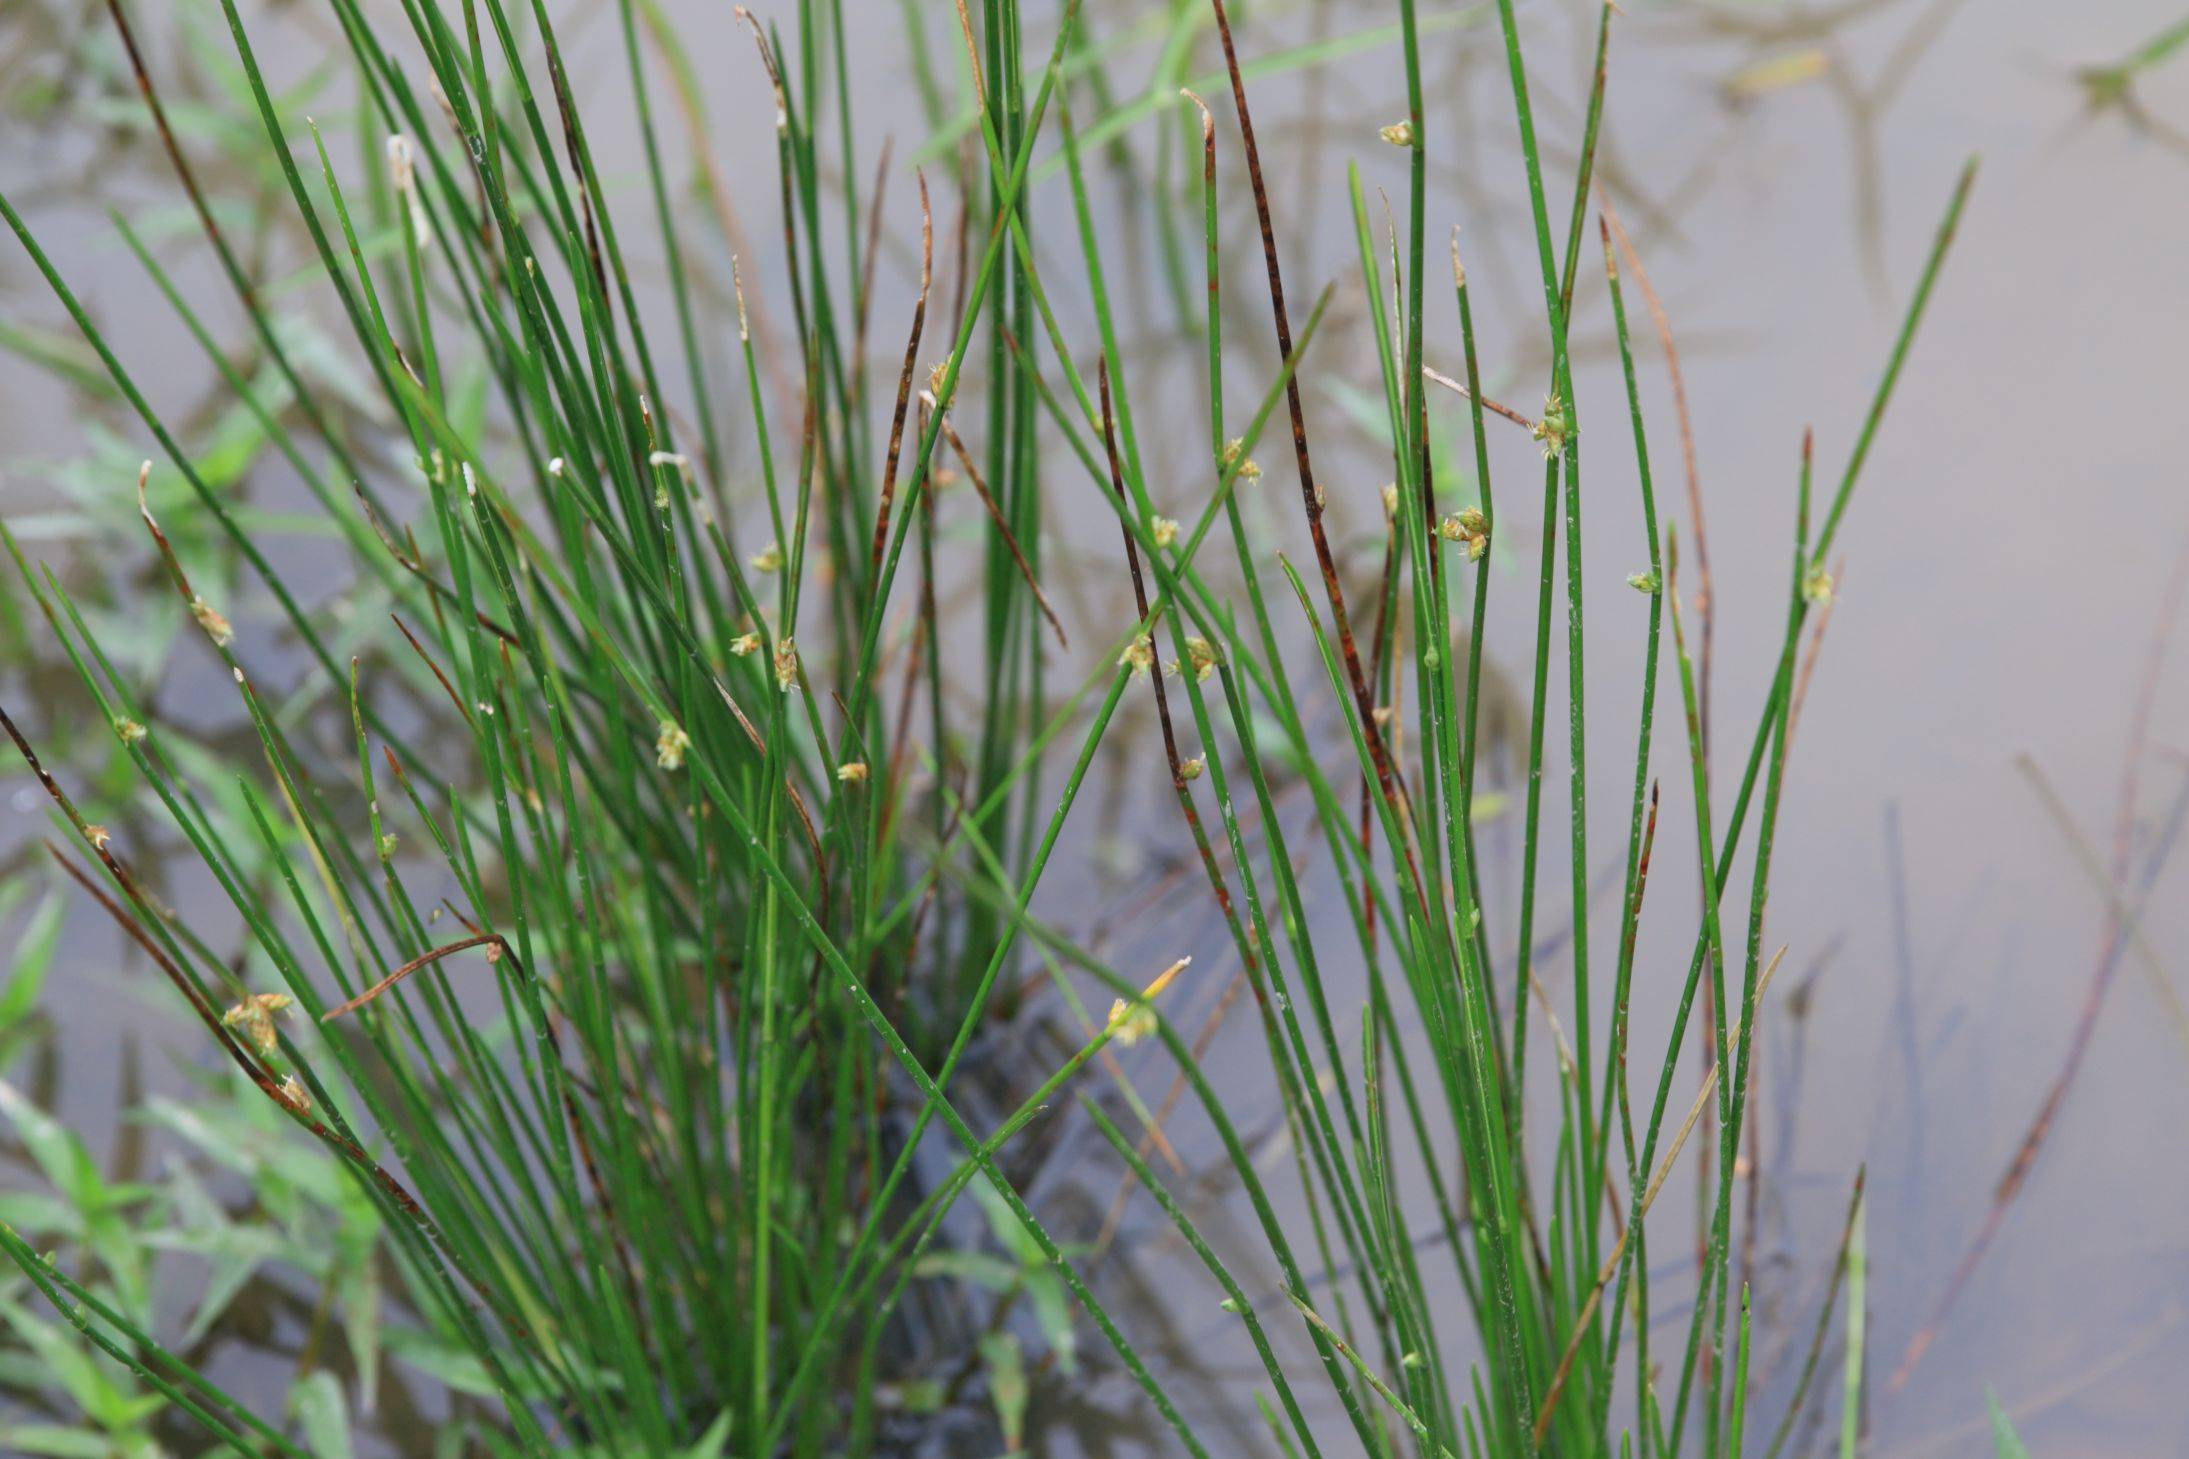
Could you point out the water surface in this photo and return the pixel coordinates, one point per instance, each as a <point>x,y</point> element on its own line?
<point>2008,563</point>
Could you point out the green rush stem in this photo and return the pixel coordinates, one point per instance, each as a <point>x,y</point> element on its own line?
<point>1637,841</point>
<point>1796,618</point>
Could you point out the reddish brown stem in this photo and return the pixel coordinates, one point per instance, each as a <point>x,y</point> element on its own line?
<point>995,514</point>
<point>904,386</point>
<point>1438,377</point>
<point>427,659</point>
<point>252,1067</point>
<point>423,960</point>
<point>1325,560</point>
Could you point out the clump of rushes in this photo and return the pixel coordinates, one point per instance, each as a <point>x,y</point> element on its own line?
<point>680,1193</point>
<point>1551,1259</point>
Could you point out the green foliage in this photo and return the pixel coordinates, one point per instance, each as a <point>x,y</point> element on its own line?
<point>2006,1443</point>
<point>164,1252</point>
<point>614,972</point>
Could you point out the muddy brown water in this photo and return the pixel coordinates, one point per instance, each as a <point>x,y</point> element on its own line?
<point>2008,566</point>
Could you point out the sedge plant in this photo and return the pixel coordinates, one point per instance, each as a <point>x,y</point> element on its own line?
<point>637,995</point>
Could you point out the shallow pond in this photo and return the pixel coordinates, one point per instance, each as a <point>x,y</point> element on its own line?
<point>1993,739</point>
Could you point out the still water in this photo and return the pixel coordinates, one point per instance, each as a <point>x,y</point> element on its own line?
<point>1994,737</point>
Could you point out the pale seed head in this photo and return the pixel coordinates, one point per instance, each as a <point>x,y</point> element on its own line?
<point>1235,459</point>
<point>1203,657</point>
<point>402,163</point>
<point>1470,527</point>
<point>1553,428</point>
<point>294,1096</point>
<point>1132,1020</point>
<point>786,664</point>
<point>670,745</point>
<point>254,1019</point>
<point>216,627</point>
